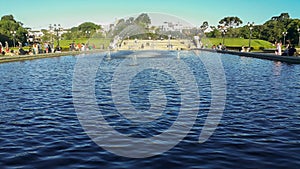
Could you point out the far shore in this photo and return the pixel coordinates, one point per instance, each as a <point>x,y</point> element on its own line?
<point>141,45</point>
<point>267,56</point>
<point>15,58</point>
<point>126,45</point>
<point>173,44</point>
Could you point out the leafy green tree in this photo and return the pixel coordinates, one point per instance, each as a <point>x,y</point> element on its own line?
<point>120,26</point>
<point>143,20</point>
<point>68,36</point>
<point>257,31</point>
<point>88,28</point>
<point>7,25</point>
<point>272,31</point>
<point>233,33</point>
<point>84,30</point>
<point>47,37</point>
<point>293,34</point>
<point>244,32</point>
<point>283,17</point>
<point>130,20</point>
<point>214,34</point>
<point>231,21</point>
<point>204,25</point>
<point>8,18</point>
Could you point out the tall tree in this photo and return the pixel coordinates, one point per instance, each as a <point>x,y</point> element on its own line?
<point>204,25</point>
<point>231,21</point>
<point>143,20</point>
<point>8,18</point>
<point>284,16</point>
<point>292,29</point>
<point>214,34</point>
<point>130,20</point>
<point>88,26</point>
<point>12,30</point>
<point>273,29</point>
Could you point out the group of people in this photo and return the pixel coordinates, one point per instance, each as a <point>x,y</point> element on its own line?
<point>48,48</point>
<point>244,49</point>
<point>81,47</point>
<point>219,47</point>
<point>4,49</point>
<point>36,48</point>
<point>289,50</point>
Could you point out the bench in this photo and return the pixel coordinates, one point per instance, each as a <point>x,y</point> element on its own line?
<point>269,50</point>
<point>238,48</point>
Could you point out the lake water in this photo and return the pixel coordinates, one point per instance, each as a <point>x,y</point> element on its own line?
<point>260,126</point>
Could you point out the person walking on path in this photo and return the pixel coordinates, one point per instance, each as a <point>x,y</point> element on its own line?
<point>292,51</point>
<point>6,47</point>
<point>0,47</point>
<point>278,48</point>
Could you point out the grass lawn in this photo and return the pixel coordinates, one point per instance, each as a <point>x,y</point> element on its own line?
<point>239,42</point>
<point>97,41</point>
<point>230,42</point>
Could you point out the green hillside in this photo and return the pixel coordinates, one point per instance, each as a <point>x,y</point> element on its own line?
<point>239,42</point>
<point>97,42</point>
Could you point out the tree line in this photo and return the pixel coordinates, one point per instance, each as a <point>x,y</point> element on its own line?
<point>272,30</point>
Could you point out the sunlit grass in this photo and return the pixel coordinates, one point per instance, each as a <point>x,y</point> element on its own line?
<point>98,42</point>
<point>239,42</point>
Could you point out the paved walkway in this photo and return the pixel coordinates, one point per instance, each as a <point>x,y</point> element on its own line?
<point>156,45</point>
<point>162,45</point>
<point>287,59</point>
<point>15,58</point>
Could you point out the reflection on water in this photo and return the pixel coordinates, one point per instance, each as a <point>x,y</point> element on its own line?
<point>260,127</point>
<point>277,68</point>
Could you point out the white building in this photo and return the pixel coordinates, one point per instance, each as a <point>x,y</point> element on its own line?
<point>170,26</point>
<point>208,30</point>
<point>34,36</point>
<point>36,33</point>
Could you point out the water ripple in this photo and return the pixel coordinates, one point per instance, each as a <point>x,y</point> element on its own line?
<point>260,127</point>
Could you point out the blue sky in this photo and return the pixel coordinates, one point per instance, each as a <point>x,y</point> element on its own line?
<point>39,14</point>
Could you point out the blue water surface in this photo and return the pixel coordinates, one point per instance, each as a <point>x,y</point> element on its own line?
<point>260,126</point>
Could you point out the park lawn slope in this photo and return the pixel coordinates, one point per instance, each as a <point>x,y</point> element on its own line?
<point>98,42</point>
<point>257,44</point>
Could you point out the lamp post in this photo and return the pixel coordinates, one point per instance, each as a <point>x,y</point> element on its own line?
<point>56,28</point>
<point>14,35</point>
<point>251,26</point>
<point>51,32</point>
<point>223,30</point>
<point>88,33</point>
<point>298,37</point>
<point>284,35</point>
<point>169,38</point>
<point>26,35</point>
